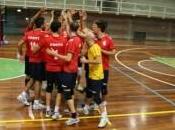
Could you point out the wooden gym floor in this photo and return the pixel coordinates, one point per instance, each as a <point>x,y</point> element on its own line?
<point>141,94</point>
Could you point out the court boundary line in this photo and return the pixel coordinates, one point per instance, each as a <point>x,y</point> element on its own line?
<point>154,71</point>
<point>14,77</point>
<point>91,117</point>
<point>164,90</point>
<point>145,86</point>
<point>135,71</point>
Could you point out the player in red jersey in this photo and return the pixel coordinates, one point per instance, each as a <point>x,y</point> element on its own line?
<point>54,66</point>
<point>37,70</point>
<point>72,51</point>
<point>107,47</point>
<point>22,97</point>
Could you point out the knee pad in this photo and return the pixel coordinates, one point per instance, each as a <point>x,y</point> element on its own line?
<point>104,89</point>
<point>67,93</point>
<point>49,88</point>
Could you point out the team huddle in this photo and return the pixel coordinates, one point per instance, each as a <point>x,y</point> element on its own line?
<point>56,52</point>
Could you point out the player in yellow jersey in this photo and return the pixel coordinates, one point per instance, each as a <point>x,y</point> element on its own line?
<point>93,90</point>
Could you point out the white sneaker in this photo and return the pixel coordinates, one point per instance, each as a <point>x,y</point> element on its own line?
<point>37,106</point>
<point>86,110</point>
<point>103,122</point>
<point>72,121</point>
<point>48,114</point>
<point>23,100</point>
<point>93,106</point>
<point>56,116</point>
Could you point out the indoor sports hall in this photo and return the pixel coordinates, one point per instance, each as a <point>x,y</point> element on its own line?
<point>141,84</point>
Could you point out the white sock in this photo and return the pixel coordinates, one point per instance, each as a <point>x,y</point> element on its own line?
<point>23,93</point>
<point>104,103</point>
<point>86,106</point>
<point>56,109</point>
<point>36,101</point>
<point>103,114</point>
<point>47,108</point>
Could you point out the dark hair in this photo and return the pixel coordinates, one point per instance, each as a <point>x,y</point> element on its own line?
<point>76,16</point>
<point>39,22</point>
<point>101,24</point>
<point>56,15</point>
<point>55,25</point>
<point>74,26</point>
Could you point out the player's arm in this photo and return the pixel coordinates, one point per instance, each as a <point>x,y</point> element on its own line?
<point>20,54</point>
<point>84,50</point>
<point>52,17</point>
<point>35,17</point>
<point>66,20</point>
<point>66,58</point>
<point>20,46</point>
<point>96,60</point>
<point>111,52</point>
<point>69,16</point>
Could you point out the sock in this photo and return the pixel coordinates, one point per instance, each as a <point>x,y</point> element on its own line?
<point>86,106</point>
<point>47,108</point>
<point>103,114</point>
<point>74,115</point>
<point>24,93</point>
<point>56,109</point>
<point>36,101</point>
<point>104,103</point>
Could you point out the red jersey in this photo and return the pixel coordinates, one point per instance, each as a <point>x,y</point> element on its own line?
<point>107,44</point>
<point>32,38</point>
<point>73,46</point>
<point>58,44</point>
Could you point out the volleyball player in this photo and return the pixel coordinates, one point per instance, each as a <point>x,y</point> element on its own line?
<point>37,69</point>
<point>107,49</point>
<point>54,66</point>
<point>73,48</point>
<point>23,96</point>
<point>96,75</point>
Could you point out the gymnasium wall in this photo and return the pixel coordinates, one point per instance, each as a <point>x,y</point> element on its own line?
<point>123,27</point>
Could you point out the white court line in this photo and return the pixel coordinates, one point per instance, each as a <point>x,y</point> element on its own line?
<point>140,73</point>
<point>145,68</point>
<point>14,77</point>
<point>145,86</point>
<point>164,90</point>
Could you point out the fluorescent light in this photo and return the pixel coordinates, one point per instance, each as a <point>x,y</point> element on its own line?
<point>18,10</point>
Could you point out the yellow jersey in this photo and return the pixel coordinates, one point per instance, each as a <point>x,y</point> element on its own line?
<point>95,70</point>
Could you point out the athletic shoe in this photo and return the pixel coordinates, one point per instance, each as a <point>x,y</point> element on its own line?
<point>37,106</point>
<point>72,121</point>
<point>56,116</point>
<point>48,114</point>
<point>23,100</point>
<point>86,109</point>
<point>103,122</point>
<point>93,106</point>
